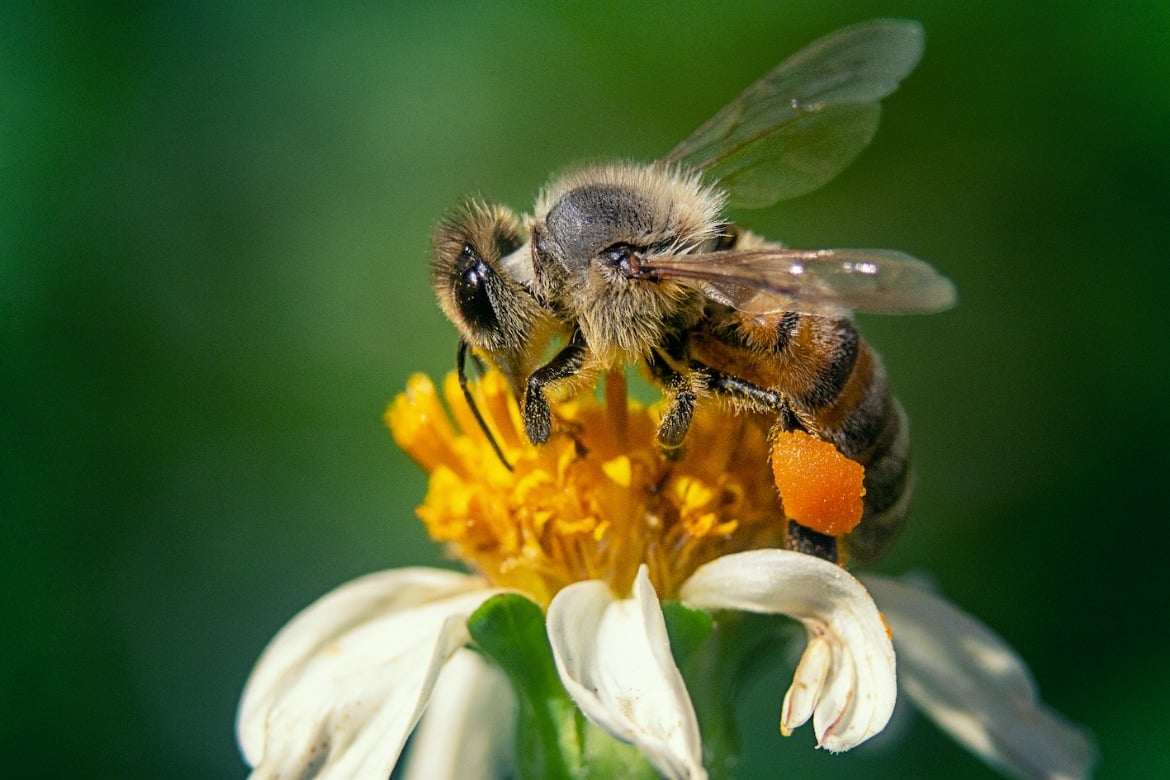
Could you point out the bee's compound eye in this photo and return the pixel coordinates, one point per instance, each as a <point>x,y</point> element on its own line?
<point>473,277</point>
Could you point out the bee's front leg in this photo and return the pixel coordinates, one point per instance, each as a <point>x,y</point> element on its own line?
<point>566,363</point>
<point>461,356</point>
<point>683,388</point>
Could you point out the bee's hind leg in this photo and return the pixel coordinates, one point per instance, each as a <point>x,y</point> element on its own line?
<point>756,398</point>
<point>803,539</point>
<point>798,538</point>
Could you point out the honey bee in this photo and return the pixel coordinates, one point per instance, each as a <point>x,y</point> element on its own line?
<point>637,264</point>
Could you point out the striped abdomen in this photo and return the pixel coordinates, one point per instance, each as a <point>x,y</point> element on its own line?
<point>836,388</point>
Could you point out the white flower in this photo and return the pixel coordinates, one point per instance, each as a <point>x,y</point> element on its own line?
<point>845,680</point>
<point>596,527</point>
<point>339,690</point>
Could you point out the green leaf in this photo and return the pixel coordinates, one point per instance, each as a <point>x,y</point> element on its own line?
<point>509,629</point>
<point>687,627</point>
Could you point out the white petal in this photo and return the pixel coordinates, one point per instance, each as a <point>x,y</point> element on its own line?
<point>468,730</point>
<point>339,689</point>
<point>318,625</point>
<point>970,682</point>
<point>614,660</point>
<point>807,684</point>
<point>859,689</point>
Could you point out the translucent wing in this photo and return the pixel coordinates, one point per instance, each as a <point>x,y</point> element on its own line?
<point>806,120</point>
<point>819,281</point>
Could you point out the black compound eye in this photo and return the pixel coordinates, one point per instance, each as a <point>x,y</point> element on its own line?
<point>473,278</point>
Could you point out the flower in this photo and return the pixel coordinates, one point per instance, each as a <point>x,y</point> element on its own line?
<point>598,529</point>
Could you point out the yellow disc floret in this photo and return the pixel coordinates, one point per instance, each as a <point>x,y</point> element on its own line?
<point>597,500</point>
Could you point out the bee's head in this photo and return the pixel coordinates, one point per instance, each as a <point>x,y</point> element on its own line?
<point>479,292</point>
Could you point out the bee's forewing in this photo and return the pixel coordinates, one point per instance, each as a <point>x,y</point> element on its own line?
<point>822,281</point>
<point>806,120</point>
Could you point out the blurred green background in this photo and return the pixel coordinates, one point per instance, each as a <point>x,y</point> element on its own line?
<point>214,224</point>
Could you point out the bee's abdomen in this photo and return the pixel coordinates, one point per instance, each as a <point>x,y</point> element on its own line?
<point>889,484</point>
<point>867,424</point>
<point>837,388</point>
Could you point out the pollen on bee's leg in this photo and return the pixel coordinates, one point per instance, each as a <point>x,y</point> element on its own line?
<point>821,488</point>
<point>675,423</point>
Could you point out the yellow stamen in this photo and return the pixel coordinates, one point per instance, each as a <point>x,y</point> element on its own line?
<point>598,499</point>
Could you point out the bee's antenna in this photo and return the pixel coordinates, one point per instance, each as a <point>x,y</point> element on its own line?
<point>461,371</point>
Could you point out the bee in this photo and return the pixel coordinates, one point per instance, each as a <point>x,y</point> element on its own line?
<point>638,264</point>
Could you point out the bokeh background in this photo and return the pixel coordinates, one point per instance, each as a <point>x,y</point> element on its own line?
<point>214,224</point>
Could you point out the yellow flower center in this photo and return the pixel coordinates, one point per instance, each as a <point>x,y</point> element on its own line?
<point>598,499</point>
